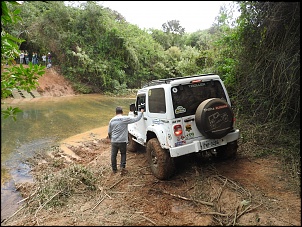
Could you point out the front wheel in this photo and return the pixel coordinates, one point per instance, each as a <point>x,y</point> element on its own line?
<point>132,145</point>
<point>160,161</point>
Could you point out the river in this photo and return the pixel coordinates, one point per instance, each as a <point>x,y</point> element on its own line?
<point>42,123</point>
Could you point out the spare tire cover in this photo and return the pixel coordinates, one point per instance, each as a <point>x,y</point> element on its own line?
<point>214,118</point>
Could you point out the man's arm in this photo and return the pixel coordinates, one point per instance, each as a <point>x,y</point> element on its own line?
<point>138,117</point>
<point>109,131</point>
<point>130,120</point>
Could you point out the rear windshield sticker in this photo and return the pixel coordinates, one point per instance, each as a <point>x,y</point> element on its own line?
<point>174,90</point>
<point>180,109</point>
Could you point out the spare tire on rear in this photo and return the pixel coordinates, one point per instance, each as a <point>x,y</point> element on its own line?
<point>214,118</point>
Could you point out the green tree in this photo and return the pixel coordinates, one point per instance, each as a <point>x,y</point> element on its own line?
<point>164,39</point>
<point>12,76</point>
<point>187,62</point>
<point>174,31</point>
<point>173,26</point>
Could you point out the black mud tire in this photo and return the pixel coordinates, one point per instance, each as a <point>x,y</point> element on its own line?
<point>214,118</point>
<point>160,161</point>
<point>132,145</point>
<point>228,151</point>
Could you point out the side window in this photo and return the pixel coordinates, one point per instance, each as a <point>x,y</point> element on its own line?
<point>157,101</point>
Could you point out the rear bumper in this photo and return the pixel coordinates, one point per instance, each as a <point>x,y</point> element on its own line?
<point>196,146</point>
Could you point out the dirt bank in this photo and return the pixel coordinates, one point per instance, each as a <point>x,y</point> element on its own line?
<point>54,84</point>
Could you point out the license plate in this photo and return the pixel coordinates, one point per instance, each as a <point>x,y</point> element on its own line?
<point>208,144</point>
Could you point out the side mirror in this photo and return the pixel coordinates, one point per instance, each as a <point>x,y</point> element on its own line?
<point>141,106</point>
<point>132,107</point>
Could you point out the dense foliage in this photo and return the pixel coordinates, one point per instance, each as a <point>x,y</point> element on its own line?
<point>268,69</point>
<point>99,51</point>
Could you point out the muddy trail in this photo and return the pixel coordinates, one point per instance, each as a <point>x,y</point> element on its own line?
<point>203,191</point>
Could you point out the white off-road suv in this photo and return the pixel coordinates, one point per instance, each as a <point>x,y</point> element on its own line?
<point>183,115</point>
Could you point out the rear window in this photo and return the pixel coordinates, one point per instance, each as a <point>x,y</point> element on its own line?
<point>186,98</point>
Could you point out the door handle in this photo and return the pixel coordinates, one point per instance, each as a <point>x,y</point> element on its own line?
<point>145,118</point>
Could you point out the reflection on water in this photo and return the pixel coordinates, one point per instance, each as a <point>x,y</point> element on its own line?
<point>43,122</point>
<point>54,119</point>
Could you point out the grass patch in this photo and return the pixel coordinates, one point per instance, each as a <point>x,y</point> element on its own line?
<point>56,188</point>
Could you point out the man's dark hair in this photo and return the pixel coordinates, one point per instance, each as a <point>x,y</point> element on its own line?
<point>119,110</point>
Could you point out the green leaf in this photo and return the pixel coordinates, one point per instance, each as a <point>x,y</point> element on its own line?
<point>11,112</point>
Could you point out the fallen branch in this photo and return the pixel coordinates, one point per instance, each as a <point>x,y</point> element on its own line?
<point>98,203</point>
<point>108,195</point>
<point>235,217</point>
<point>148,219</point>
<point>23,200</point>
<point>218,197</point>
<point>112,221</point>
<point>29,196</point>
<point>136,185</point>
<point>5,220</point>
<point>118,192</point>
<point>115,183</point>
<point>233,185</point>
<point>40,208</point>
<point>220,223</point>
<point>212,213</point>
<point>248,209</point>
<point>185,198</point>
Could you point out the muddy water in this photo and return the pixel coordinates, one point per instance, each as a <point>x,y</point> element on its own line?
<point>44,122</point>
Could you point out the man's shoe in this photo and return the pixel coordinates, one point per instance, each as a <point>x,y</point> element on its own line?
<point>114,171</point>
<point>123,172</point>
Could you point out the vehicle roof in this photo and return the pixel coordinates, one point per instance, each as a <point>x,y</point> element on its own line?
<point>179,80</point>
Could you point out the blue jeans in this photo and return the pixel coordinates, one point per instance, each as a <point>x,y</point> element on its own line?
<point>115,147</point>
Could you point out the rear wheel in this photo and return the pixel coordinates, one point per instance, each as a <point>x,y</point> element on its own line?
<point>132,145</point>
<point>160,161</point>
<point>227,151</point>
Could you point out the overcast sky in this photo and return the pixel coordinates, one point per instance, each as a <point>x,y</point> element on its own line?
<point>192,15</point>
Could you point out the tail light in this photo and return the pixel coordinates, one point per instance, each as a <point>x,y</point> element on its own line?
<point>196,81</point>
<point>177,130</point>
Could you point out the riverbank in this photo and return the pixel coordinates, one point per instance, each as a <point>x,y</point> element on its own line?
<point>91,136</point>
